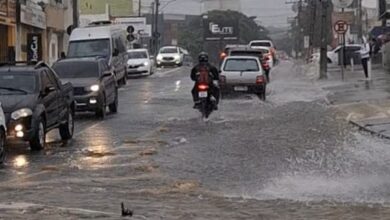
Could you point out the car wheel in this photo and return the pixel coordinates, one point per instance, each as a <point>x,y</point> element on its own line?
<point>101,111</point>
<point>67,129</point>
<point>2,146</point>
<point>114,106</point>
<point>38,140</point>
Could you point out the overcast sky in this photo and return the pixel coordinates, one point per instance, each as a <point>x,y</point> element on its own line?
<point>269,12</point>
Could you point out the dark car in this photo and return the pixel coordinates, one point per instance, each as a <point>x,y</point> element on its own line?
<point>95,86</point>
<point>259,53</point>
<point>34,102</point>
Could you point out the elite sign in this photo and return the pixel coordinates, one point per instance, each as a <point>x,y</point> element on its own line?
<point>214,30</point>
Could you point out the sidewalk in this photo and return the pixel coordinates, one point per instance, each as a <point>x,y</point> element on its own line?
<point>365,103</point>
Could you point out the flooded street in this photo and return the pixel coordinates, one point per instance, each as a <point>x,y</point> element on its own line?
<point>290,157</point>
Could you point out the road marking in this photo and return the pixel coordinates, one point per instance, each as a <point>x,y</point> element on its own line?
<point>161,74</point>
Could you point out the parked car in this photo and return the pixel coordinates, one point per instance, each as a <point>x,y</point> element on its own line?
<point>94,84</point>
<point>139,62</point>
<point>104,40</point>
<point>3,135</point>
<point>170,56</point>
<point>351,51</point>
<point>34,102</point>
<point>262,54</point>
<point>243,74</point>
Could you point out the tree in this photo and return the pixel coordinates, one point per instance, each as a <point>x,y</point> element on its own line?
<point>191,33</point>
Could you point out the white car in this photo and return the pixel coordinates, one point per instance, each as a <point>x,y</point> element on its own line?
<point>267,54</point>
<point>333,55</point>
<point>243,74</point>
<point>170,56</point>
<point>3,135</point>
<point>139,62</point>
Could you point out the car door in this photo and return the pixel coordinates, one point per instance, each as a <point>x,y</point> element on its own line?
<point>49,98</point>
<point>108,82</point>
<point>61,98</point>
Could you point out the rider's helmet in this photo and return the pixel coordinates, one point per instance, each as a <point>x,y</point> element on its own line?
<point>203,57</point>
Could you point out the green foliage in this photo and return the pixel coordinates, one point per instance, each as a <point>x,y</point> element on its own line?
<point>191,33</point>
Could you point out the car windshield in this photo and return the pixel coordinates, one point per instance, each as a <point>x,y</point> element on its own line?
<point>137,55</point>
<point>241,65</point>
<point>261,44</point>
<point>77,69</point>
<point>169,50</point>
<point>17,82</point>
<point>89,48</point>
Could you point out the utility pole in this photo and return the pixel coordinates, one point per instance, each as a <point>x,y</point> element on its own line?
<point>360,20</point>
<point>75,13</point>
<point>156,33</point>
<point>139,8</point>
<point>324,39</point>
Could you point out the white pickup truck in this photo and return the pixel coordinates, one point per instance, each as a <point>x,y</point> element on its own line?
<point>243,74</point>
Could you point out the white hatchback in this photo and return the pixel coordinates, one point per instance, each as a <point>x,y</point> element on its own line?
<point>139,62</point>
<point>243,74</point>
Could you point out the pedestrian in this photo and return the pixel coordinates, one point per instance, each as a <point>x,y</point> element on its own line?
<point>365,56</point>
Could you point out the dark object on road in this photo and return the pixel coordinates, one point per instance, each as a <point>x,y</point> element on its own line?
<point>206,102</point>
<point>206,91</point>
<point>35,101</point>
<point>94,83</point>
<point>126,212</point>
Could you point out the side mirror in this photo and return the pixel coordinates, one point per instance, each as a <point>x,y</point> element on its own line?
<point>62,55</point>
<point>115,53</point>
<point>107,74</point>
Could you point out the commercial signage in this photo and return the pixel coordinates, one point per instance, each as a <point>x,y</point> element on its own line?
<point>215,30</point>
<point>341,27</point>
<point>3,7</point>
<point>139,24</point>
<point>34,47</point>
<point>33,16</point>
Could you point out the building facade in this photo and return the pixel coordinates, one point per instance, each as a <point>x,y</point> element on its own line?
<point>7,30</point>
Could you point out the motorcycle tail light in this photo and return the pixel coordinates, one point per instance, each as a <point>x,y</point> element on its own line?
<point>203,87</point>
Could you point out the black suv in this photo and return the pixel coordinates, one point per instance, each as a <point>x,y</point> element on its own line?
<point>95,86</point>
<point>34,102</point>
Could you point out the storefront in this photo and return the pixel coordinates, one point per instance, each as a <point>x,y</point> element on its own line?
<point>7,30</point>
<point>32,32</point>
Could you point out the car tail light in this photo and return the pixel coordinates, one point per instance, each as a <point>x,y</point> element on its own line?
<point>260,80</point>
<point>203,87</point>
<point>222,55</point>
<point>222,79</point>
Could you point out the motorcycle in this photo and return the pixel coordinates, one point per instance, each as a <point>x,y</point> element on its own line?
<point>207,100</point>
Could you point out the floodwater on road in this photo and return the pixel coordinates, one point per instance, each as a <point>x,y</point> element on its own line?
<point>290,157</point>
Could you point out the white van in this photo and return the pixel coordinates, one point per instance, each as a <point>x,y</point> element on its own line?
<point>108,41</point>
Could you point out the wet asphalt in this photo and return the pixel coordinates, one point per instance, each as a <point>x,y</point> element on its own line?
<point>290,157</point>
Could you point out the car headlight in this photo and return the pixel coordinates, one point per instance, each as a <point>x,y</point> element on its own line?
<point>146,63</point>
<point>94,88</point>
<point>177,57</point>
<point>21,113</point>
<point>159,57</point>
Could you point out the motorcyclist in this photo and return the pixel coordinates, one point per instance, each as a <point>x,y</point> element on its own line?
<point>203,59</point>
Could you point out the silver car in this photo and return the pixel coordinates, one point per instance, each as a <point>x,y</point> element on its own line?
<point>243,74</point>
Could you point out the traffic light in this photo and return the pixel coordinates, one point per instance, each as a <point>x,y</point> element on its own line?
<point>130,35</point>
